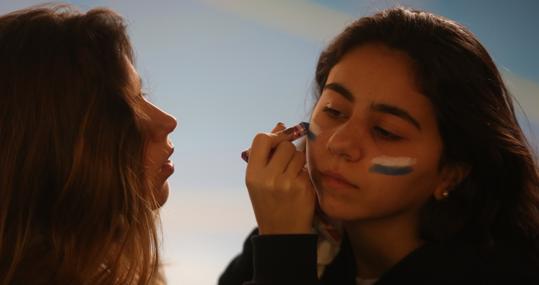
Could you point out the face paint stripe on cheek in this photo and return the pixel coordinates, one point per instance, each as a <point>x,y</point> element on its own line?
<point>314,130</point>
<point>392,165</point>
<point>388,170</point>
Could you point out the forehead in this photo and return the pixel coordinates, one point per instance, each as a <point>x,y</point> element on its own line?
<point>376,67</point>
<point>374,73</point>
<point>134,77</point>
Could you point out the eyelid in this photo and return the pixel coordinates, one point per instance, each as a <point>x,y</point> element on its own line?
<point>387,135</point>
<point>334,112</point>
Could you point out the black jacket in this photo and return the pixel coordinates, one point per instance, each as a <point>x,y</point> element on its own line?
<point>291,259</point>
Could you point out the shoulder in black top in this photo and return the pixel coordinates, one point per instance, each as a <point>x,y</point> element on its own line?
<point>291,259</point>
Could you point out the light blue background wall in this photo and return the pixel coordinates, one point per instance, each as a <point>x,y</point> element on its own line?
<point>229,69</point>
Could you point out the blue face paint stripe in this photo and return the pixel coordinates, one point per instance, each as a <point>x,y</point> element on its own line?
<point>391,170</point>
<point>310,135</point>
<point>313,131</point>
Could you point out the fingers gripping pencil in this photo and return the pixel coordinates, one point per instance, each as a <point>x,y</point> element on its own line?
<point>293,134</point>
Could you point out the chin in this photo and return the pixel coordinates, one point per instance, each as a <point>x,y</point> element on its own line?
<point>161,195</point>
<point>339,210</point>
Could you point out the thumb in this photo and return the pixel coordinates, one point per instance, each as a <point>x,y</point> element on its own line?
<point>279,127</point>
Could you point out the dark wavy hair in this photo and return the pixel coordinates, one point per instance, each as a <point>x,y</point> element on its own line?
<point>75,207</point>
<point>499,198</point>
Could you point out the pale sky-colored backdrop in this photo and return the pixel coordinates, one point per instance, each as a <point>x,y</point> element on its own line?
<point>227,69</point>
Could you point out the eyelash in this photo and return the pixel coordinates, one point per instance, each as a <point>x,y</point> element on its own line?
<point>333,113</point>
<point>383,133</point>
<point>379,131</point>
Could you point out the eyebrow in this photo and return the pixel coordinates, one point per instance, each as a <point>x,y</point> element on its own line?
<point>377,107</point>
<point>341,90</point>
<point>396,111</point>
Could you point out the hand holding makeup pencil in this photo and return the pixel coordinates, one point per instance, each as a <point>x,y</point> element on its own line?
<point>281,192</point>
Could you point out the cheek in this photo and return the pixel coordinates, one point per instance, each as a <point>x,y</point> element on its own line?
<point>380,196</point>
<point>320,122</point>
<point>405,187</point>
<point>314,130</point>
<point>320,128</point>
<point>412,178</point>
<point>150,155</point>
<point>311,155</point>
<point>313,142</point>
<point>152,166</point>
<point>409,191</point>
<point>392,166</point>
<point>314,155</point>
<point>316,142</point>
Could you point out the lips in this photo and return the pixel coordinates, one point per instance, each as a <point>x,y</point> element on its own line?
<point>168,167</point>
<point>170,151</point>
<point>336,181</point>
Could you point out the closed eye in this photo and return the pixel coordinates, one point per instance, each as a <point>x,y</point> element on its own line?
<point>385,134</point>
<point>332,112</point>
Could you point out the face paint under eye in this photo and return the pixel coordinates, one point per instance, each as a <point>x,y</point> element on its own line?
<point>394,166</point>
<point>314,130</point>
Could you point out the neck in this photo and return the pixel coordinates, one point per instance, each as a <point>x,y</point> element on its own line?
<point>379,244</point>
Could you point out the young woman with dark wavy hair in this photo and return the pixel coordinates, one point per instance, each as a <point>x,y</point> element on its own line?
<point>416,158</point>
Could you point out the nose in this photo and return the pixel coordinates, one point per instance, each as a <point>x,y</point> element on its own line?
<point>169,123</point>
<point>163,122</point>
<point>345,142</point>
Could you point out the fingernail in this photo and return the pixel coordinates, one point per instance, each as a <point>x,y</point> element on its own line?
<point>280,124</point>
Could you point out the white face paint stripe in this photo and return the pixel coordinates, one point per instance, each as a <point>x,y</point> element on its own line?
<point>395,166</point>
<point>392,161</point>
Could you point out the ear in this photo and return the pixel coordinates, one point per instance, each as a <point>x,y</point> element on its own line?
<point>451,175</point>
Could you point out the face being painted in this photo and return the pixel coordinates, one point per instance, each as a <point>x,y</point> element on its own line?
<point>375,146</point>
